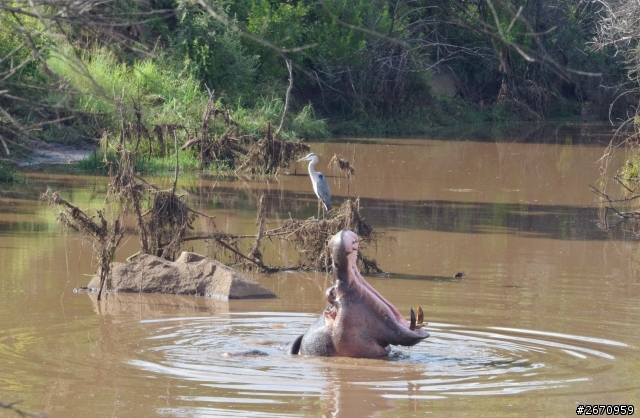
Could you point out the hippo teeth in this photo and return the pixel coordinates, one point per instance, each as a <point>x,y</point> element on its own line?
<point>420,315</point>
<point>412,326</point>
<point>419,322</point>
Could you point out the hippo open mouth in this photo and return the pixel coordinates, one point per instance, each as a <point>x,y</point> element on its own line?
<point>360,322</point>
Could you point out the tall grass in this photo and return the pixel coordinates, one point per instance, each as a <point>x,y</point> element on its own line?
<point>164,93</point>
<point>112,92</point>
<point>306,124</point>
<point>303,124</point>
<point>110,89</point>
<point>144,164</point>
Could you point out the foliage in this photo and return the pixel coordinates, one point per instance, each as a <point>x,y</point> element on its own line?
<point>17,61</point>
<point>631,168</point>
<point>371,59</point>
<point>147,97</point>
<point>305,124</point>
<point>267,109</point>
<point>109,89</point>
<point>19,72</point>
<point>8,174</point>
<point>106,69</point>
<point>619,34</point>
<point>214,52</point>
<point>149,164</point>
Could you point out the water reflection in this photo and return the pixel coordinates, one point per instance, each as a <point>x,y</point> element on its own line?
<point>569,133</point>
<point>571,222</point>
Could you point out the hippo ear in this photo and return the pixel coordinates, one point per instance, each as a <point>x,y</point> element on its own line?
<point>294,348</point>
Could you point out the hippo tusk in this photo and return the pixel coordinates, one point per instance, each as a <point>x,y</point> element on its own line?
<point>412,326</point>
<point>417,322</point>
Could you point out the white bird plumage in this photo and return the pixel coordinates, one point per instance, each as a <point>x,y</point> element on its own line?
<point>318,181</point>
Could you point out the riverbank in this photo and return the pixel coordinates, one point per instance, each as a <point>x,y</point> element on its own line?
<point>47,154</point>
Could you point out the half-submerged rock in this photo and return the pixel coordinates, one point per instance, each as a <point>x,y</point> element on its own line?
<point>190,274</point>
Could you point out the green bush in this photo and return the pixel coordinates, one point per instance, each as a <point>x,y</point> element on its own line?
<point>187,161</point>
<point>565,108</point>
<point>8,174</point>
<point>11,40</point>
<point>631,168</point>
<point>268,109</point>
<point>305,124</point>
<point>214,52</point>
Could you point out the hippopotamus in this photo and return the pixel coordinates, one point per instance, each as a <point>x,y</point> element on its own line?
<point>359,322</point>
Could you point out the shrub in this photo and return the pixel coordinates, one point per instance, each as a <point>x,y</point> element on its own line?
<point>214,52</point>
<point>8,174</point>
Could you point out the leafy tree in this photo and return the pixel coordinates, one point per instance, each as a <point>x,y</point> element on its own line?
<point>215,51</point>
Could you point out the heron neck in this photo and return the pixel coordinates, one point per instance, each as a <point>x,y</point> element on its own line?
<point>312,165</point>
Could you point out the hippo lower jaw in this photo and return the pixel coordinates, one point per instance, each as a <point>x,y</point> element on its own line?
<point>359,322</point>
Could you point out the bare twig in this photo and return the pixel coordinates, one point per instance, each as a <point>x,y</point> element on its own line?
<point>104,238</point>
<point>608,199</point>
<point>238,253</point>
<point>616,178</point>
<point>175,179</point>
<point>12,407</point>
<point>286,97</point>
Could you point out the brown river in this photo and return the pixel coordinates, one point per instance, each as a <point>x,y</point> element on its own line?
<point>547,317</point>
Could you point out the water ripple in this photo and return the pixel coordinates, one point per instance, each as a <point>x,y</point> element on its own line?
<point>454,361</point>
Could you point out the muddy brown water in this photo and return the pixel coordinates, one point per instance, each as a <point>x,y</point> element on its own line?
<point>546,318</point>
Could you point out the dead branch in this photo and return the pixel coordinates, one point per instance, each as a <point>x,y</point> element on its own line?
<point>308,237</point>
<point>125,188</point>
<point>227,117</point>
<point>238,253</point>
<point>193,142</point>
<point>269,154</point>
<point>12,407</point>
<point>105,240</point>
<point>609,200</point>
<point>339,165</point>
<point>175,179</point>
<point>260,219</point>
<point>286,97</point>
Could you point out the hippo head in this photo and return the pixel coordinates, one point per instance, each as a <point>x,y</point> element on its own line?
<point>359,322</point>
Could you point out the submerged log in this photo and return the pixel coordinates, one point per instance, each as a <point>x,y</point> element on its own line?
<point>190,274</point>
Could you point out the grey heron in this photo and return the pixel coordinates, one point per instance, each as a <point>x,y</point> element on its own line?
<point>319,182</point>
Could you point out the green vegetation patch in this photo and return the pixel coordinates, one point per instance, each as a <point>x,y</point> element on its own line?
<point>97,162</point>
<point>631,168</point>
<point>8,174</point>
<point>112,90</point>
